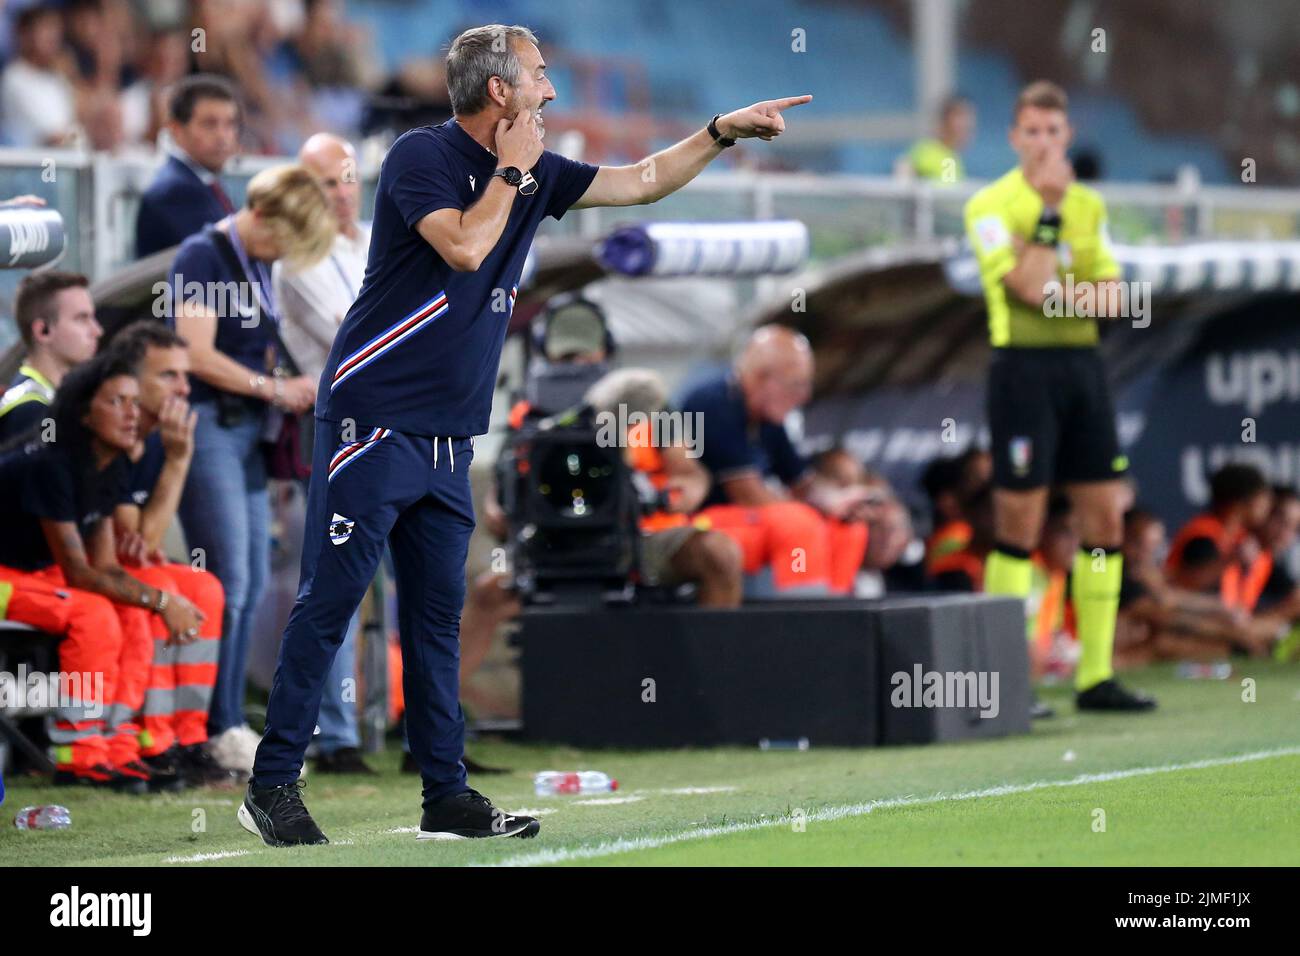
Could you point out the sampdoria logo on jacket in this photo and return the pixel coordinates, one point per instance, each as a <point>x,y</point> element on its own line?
<point>340,528</point>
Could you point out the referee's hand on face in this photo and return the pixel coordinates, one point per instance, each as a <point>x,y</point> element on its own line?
<point>519,142</point>
<point>1050,175</point>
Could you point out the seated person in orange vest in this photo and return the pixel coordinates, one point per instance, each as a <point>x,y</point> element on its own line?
<point>1049,609</point>
<point>1279,602</point>
<point>1217,550</point>
<point>962,569</point>
<point>1281,595</point>
<point>888,539</point>
<point>175,712</point>
<point>1159,621</point>
<point>789,525</point>
<point>948,482</point>
<point>60,573</point>
<point>888,523</point>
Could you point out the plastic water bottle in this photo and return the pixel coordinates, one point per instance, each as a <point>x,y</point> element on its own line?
<point>550,782</point>
<point>43,818</point>
<point>1216,670</point>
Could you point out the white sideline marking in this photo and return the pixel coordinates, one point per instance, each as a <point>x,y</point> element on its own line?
<point>204,857</point>
<point>613,847</point>
<point>691,791</point>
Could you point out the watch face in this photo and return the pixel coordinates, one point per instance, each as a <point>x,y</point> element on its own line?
<point>512,175</point>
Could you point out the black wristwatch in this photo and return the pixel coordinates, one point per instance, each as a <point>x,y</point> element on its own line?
<point>723,141</point>
<point>1047,231</point>
<point>524,182</point>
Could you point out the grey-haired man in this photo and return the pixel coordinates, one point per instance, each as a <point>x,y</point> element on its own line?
<point>407,385</point>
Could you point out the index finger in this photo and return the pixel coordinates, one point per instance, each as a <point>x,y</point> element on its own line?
<point>789,101</point>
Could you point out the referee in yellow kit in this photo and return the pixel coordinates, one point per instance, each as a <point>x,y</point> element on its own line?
<point>1038,235</point>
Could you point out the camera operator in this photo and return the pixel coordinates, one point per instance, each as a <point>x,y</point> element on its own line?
<point>675,548</point>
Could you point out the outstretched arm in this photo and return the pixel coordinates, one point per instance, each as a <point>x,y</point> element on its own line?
<point>670,169</point>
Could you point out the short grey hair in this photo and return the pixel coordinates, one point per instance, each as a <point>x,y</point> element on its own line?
<point>476,56</point>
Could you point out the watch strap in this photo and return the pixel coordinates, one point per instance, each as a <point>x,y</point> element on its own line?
<point>723,141</point>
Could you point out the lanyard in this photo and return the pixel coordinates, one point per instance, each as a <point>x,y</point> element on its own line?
<point>265,293</point>
<point>347,283</point>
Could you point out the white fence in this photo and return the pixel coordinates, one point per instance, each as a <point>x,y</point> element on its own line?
<point>98,196</point>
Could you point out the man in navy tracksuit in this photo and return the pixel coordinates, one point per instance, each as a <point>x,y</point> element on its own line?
<point>409,383</point>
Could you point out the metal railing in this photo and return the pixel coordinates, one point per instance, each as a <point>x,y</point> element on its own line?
<point>98,195</point>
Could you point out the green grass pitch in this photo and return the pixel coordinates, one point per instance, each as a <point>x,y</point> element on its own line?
<point>1208,779</point>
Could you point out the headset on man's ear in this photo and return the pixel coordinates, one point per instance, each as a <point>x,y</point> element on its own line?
<point>541,322</point>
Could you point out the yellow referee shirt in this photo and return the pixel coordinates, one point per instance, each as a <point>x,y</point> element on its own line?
<point>931,159</point>
<point>1010,207</point>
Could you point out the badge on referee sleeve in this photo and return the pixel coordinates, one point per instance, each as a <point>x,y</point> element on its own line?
<point>992,233</point>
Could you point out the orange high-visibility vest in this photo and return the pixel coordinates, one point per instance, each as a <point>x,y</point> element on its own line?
<point>1239,586</point>
<point>518,412</point>
<point>965,561</point>
<point>644,457</point>
<point>1051,609</point>
<point>946,539</point>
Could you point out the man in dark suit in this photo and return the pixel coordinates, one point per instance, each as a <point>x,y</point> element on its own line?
<point>186,193</point>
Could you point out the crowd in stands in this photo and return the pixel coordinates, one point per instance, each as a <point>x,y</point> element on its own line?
<point>94,74</point>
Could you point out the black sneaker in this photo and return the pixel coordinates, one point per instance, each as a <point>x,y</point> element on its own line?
<point>101,776</point>
<point>1111,695</point>
<point>344,760</point>
<point>468,815</point>
<point>200,769</point>
<point>278,816</point>
<point>1039,709</point>
<point>165,771</point>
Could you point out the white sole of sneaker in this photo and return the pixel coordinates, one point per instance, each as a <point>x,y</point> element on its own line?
<point>444,835</point>
<point>246,821</point>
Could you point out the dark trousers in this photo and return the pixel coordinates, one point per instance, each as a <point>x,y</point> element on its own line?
<point>414,493</point>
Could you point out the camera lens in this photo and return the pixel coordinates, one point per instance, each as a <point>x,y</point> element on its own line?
<point>577,481</point>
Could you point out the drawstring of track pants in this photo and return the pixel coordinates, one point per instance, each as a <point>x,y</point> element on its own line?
<point>450,450</point>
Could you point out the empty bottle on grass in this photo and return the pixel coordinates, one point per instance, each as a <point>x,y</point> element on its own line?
<point>550,782</point>
<point>43,818</point>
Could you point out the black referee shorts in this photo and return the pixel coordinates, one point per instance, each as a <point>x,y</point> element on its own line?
<point>1051,418</point>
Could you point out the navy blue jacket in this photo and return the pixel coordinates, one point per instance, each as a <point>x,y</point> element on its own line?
<point>175,206</point>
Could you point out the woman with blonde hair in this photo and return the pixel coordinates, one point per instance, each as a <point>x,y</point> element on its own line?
<point>223,303</point>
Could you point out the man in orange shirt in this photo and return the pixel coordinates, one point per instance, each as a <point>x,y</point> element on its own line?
<point>1217,550</point>
<point>949,483</point>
